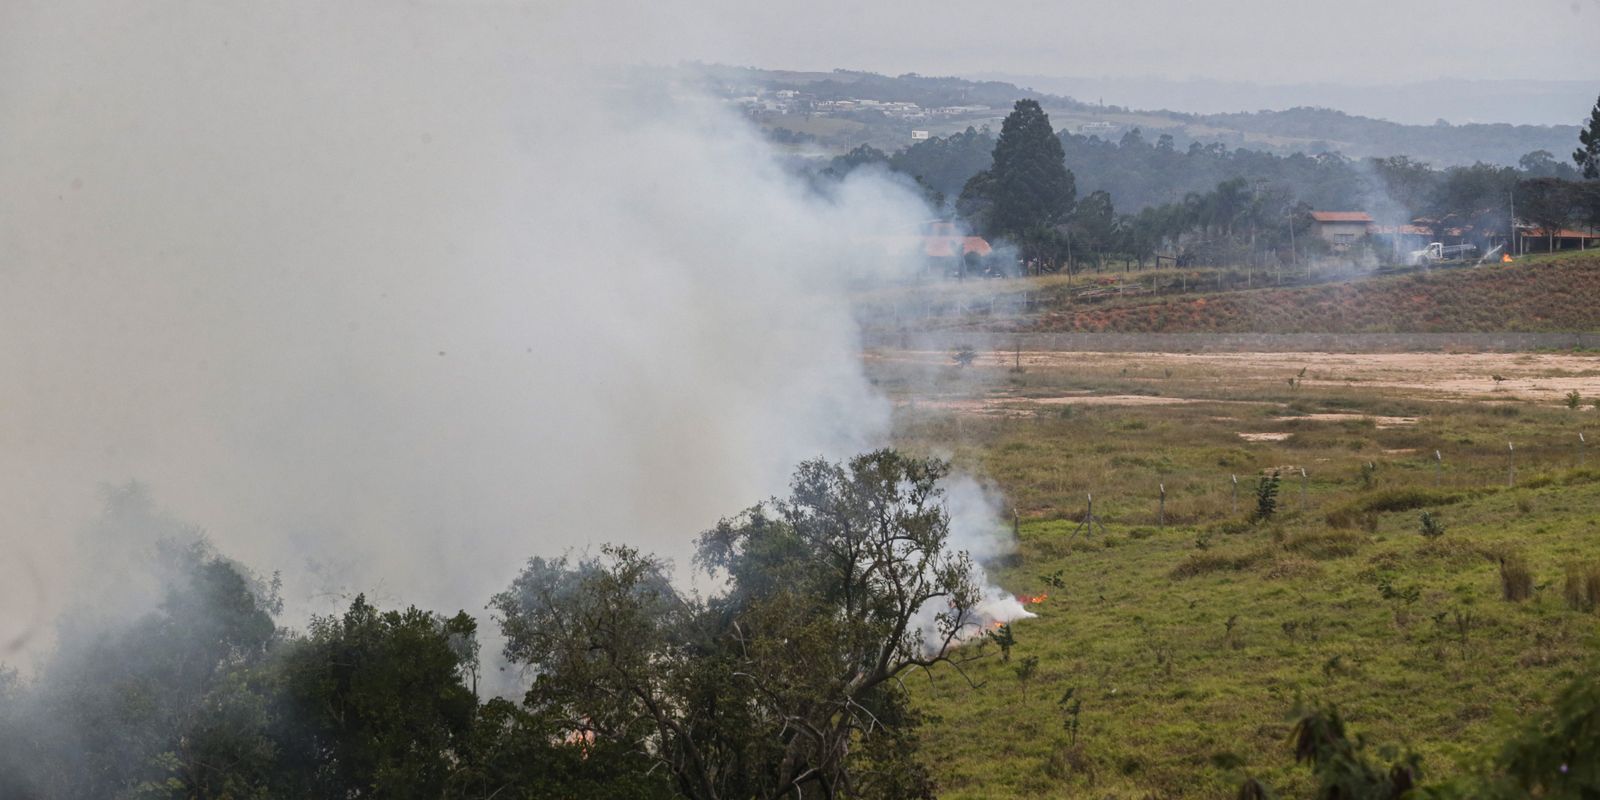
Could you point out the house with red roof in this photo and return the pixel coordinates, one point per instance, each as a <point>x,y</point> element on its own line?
<point>1341,229</point>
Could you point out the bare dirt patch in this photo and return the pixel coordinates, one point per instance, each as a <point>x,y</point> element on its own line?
<point>1379,421</point>
<point>1268,436</point>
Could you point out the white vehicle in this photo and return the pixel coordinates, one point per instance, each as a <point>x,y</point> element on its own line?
<point>1437,253</point>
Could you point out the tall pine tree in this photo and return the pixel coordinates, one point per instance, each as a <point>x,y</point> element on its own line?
<point>1028,188</point>
<point>1588,153</point>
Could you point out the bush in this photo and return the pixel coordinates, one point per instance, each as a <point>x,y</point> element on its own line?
<point>1266,497</point>
<point>1582,588</point>
<point>1325,545</point>
<point>1516,580</point>
<point>1406,499</point>
<point>1202,563</point>
<point>1431,527</point>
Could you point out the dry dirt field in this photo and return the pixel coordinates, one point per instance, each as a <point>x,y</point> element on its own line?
<point>1178,378</point>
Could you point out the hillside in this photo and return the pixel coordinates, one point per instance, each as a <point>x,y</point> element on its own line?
<point>1557,295</point>
<point>978,103</point>
<point>1534,294</point>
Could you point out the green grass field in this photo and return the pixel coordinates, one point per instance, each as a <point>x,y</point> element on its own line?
<point>1189,644</point>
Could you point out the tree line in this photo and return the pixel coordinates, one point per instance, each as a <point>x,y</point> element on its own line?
<point>787,682</point>
<point>1218,205</point>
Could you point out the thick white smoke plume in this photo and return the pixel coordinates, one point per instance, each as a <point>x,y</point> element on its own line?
<point>390,297</point>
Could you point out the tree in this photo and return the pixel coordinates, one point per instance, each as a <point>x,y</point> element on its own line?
<point>149,702</point>
<point>1550,203</point>
<point>1094,223</point>
<point>1028,186</point>
<point>786,682</point>
<point>1587,156</point>
<point>374,704</point>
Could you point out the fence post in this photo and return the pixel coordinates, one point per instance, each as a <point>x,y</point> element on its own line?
<point>1236,494</point>
<point>1581,443</point>
<point>1303,505</point>
<point>1511,465</point>
<point>1161,515</point>
<point>1438,469</point>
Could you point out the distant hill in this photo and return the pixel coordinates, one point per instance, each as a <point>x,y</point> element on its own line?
<point>1519,102</point>
<point>961,103</point>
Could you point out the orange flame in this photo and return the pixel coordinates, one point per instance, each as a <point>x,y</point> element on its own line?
<point>1033,599</point>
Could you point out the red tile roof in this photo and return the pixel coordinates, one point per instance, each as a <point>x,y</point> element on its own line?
<point>945,246</point>
<point>1341,216</point>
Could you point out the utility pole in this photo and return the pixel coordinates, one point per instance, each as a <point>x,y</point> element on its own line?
<point>1294,258</point>
<point>1511,238</point>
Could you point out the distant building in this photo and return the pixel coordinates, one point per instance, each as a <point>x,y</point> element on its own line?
<point>1341,229</point>
<point>918,136</point>
<point>1534,239</point>
<point>1102,129</point>
<point>947,240</point>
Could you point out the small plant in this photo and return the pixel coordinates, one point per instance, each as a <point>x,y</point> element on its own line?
<point>1203,541</point>
<point>1368,475</point>
<point>1582,587</point>
<point>1458,622</point>
<point>1401,599</point>
<point>1431,527</point>
<point>1574,399</point>
<point>1340,761</point>
<point>1026,669</point>
<point>1266,497</point>
<point>1002,636</point>
<point>1054,580</point>
<point>1071,706</point>
<point>964,357</point>
<point>1498,379</point>
<point>1310,628</point>
<point>1516,580</point>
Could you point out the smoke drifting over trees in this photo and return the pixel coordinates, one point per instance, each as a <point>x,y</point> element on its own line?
<point>385,301</point>
<point>400,303</point>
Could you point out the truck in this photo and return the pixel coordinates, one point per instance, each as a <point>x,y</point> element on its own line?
<point>1438,253</point>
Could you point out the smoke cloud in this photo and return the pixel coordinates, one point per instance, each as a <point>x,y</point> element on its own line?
<point>389,298</point>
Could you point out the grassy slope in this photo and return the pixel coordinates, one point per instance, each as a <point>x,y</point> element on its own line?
<point>1560,294</point>
<point>1543,293</point>
<point>1165,690</point>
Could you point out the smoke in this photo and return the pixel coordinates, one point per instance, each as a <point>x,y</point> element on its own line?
<point>389,298</point>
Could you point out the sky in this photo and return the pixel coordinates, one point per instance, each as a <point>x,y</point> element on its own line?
<point>1268,41</point>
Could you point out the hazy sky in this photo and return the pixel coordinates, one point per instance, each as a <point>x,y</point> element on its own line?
<point>1272,41</point>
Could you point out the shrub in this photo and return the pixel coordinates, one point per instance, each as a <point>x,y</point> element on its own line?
<point>1574,399</point>
<point>1405,499</point>
<point>1266,497</point>
<point>1324,545</point>
<point>1516,580</point>
<point>1431,527</point>
<point>1582,588</point>
<point>1368,475</point>
<point>1202,563</point>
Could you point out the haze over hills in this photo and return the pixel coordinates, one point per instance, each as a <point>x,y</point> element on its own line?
<point>841,109</point>
<point>1517,102</point>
